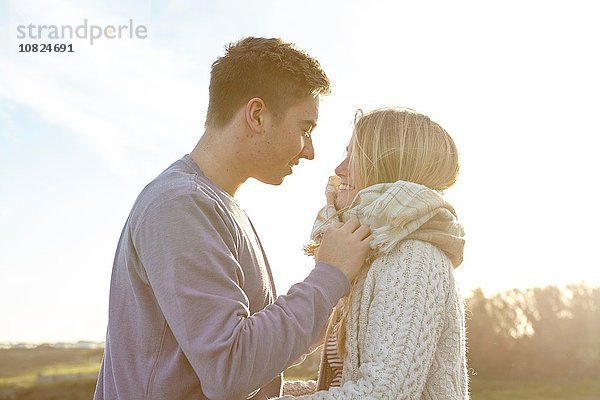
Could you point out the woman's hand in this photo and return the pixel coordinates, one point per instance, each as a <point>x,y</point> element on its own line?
<point>331,189</point>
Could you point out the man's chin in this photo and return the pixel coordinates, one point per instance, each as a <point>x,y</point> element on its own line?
<point>275,181</point>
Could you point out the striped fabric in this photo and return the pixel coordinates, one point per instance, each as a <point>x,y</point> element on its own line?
<point>333,359</point>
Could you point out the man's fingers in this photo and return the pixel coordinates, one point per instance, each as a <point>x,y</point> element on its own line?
<point>351,225</point>
<point>335,225</point>
<point>345,247</point>
<point>363,232</point>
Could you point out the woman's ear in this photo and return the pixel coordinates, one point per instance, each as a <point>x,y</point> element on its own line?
<point>255,113</point>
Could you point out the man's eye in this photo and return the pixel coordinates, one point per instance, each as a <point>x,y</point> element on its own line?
<point>307,134</point>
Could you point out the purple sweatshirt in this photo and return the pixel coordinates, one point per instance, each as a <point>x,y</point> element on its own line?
<point>193,312</point>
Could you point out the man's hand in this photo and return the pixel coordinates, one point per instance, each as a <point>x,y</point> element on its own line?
<point>345,247</point>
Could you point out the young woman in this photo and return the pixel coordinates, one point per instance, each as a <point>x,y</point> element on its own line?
<point>400,333</point>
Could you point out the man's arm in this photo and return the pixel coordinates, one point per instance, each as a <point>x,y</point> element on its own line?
<point>189,256</point>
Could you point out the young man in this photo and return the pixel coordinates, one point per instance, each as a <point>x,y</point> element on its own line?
<point>193,312</point>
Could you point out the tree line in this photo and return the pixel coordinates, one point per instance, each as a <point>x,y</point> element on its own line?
<point>535,333</point>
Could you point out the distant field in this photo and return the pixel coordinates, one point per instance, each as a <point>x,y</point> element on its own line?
<point>46,373</point>
<point>51,374</point>
<point>535,390</point>
<point>70,374</point>
<point>46,359</point>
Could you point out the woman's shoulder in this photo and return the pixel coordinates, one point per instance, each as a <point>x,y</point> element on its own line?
<point>410,249</point>
<point>412,258</point>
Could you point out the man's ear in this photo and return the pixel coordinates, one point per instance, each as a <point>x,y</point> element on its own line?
<point>255,113</point>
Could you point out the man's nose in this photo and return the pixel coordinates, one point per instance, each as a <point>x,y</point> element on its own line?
<point>308,151</point>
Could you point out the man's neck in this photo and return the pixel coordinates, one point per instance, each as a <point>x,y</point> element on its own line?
<point>219,164</point>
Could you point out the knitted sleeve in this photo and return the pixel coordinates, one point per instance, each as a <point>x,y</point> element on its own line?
<point>299,388</point>
<point>404,322</point>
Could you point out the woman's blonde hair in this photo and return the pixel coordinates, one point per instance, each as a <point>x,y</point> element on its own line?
<point>390,145</point>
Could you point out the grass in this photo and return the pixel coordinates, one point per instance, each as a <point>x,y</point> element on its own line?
<point>75,372</point>
<point>493,390</point>
<point>64,390</point>
<point>21,368</point>
<point>29,379</point>
<point>586,389</point>
<point>18,362</point>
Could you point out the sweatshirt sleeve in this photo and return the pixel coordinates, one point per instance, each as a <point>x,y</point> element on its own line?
<point>405,321</point>
<point>189,255</point>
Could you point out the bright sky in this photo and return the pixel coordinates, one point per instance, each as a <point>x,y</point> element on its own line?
<point>515,83</point>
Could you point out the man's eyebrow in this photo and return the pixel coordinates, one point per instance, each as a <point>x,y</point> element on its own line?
<point>312,123</point>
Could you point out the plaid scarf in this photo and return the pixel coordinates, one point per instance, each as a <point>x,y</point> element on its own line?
<point>400,211</point>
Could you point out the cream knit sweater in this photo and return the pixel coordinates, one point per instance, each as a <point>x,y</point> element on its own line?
<point>406,330</point>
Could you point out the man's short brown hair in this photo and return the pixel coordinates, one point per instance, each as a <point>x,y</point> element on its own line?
<point>269,69</point>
